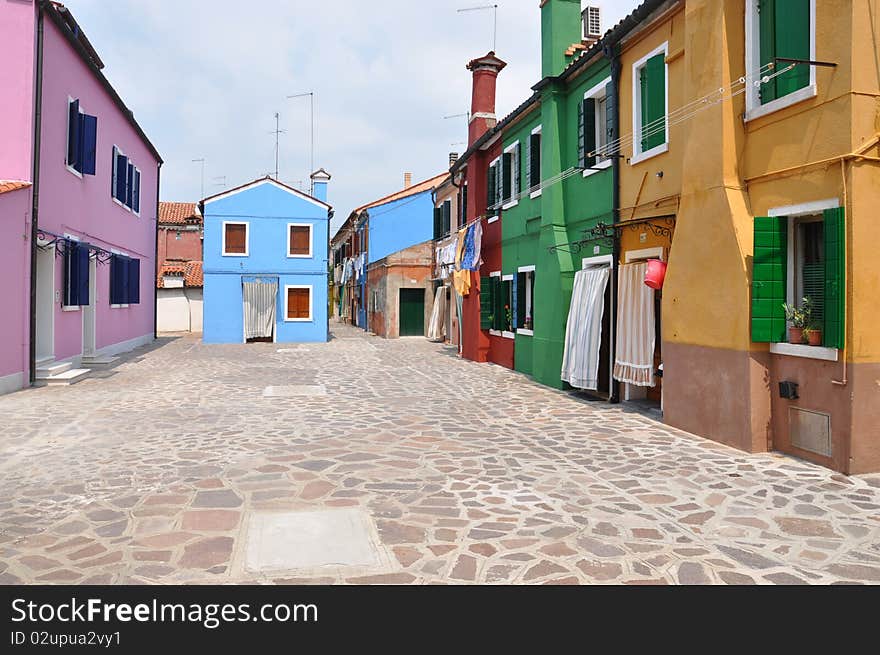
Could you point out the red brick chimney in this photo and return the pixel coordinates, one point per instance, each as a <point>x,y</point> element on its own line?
<point>485,75</point>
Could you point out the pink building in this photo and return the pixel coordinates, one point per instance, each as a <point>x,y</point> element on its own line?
<point>80,212</point>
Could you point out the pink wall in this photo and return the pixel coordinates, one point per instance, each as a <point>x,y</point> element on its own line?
<point>84,207</point>
<point>15,290</point>
<point>17,54</point>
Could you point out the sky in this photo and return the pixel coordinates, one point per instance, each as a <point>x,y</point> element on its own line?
<point>205,80</point>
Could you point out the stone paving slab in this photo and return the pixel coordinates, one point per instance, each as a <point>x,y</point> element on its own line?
<point>469,474</point>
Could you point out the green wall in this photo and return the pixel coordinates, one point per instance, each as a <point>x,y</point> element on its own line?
<point>557,217</point>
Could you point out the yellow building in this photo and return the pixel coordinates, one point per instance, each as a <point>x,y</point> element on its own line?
<point>765,154</point>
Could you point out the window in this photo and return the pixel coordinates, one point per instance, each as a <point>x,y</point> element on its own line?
<point>496,303</point>
<point>235,239</point>
<point>525,290</point>
<point>82,139</point>
<point>650,106</point>
<point>443,219</point>
<point>795,257</point>
<point>493,186</point>
<point>511,174</point>
<point>779,29</point>
<point>299,240</point>
<point>297,303</point>
<point>533,165</point>
<point>125,281</point>
<point>596,127</point>
<point>125,186</point>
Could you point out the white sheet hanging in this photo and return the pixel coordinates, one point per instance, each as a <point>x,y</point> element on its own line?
<point>259,309</point>
<point>437,327</point>
<point>583,332</point>
<point>634,360</point>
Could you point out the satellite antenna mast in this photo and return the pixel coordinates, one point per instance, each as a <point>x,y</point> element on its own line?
<point>494,8</point>
<point>202,162</point>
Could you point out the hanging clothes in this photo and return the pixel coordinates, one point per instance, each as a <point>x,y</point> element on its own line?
<point>634,359</point>
<point>437,327</point>
<point>459,246</point>
<point>461,281</point>
<point>477,261</point>
<point>583,332</point>
<point>259,309</point>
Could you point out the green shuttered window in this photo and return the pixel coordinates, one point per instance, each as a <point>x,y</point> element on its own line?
<point>652,102</point>
<point>784,32</point>
<point>819,256</point>
<point>486,302</point>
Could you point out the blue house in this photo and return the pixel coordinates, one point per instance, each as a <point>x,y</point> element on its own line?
<point>265,263</point>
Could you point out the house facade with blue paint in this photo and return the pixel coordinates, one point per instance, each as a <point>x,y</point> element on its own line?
<point>265,263</point>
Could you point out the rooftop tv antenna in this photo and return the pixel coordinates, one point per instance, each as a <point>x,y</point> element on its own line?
<point>277,132</point>
<point>494,8</point>
<point>202,162</point>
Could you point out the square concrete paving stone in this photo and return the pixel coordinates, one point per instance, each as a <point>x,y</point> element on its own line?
<point>295,390</point>
<point>296,541</point>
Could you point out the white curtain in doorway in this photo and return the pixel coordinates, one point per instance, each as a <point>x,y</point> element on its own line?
<point>583,333</point>
<point>259,309</point>
<point>634,361</point>
<point>437,328</point>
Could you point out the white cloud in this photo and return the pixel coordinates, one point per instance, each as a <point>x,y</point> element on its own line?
<point>205,79</point>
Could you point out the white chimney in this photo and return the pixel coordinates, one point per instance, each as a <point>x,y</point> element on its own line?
<point>407,180</point>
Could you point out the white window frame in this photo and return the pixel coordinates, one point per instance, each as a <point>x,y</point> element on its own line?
<point>247,239</point>
<point>754,108</point>
<point>793,212</point>
<point>540,191</point>
<point>598,94</point>
<point>529,300</point>
<point>114,173</point>
<point>638,154</point>
<point>512,280</point>
<point>311,289</point>
<point>311,240</point>
<point>118,252</point>
<point>515,171</point>
<point>67,165</point>
<point>68,308</point>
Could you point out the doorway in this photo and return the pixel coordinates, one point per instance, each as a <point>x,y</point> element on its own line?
<point>45,319</point>
<point>89,314</point>
<point>412,313</point>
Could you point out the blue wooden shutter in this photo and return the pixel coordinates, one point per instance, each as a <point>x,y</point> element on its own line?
<point>73,139</point>
<point>136,194</point>
<point>134,281</point>
<point>88,143</point>
<point>121,173</point>
<point>76,274</point>
<point>129,185</point>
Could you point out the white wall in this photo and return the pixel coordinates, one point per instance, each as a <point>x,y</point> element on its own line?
<point>179,310</point>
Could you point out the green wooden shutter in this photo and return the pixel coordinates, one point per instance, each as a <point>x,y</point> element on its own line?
<point>499,179</point>
<point>767,39</point>
<point>490,188</point>
<point>520,300</point>
<point>486,303</point>
<point>528,167</point>
<point>535,169</point>
<point>769,271</point>
<point>654,102</point>
<point>834,333</point>
<point>507,176</point>
<point>447,217</point>
<point>438,222</point>
<point>792,41</point>
<point>582,152</point>
<point>517,170</point>
<point>589,132</point>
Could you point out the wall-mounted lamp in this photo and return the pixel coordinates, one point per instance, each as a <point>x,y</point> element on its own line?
<point>660,175</point>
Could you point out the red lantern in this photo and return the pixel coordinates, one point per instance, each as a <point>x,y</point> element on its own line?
<point>656,274</point>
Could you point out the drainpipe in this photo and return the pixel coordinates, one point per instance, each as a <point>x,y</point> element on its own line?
<point>611,54</point>
<point>35,207</point>
<point>156,261</point>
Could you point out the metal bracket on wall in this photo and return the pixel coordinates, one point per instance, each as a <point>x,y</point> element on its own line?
<point>62,244</point>
<point>659,226</point>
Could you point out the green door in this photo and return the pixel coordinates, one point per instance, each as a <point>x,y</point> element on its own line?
<point>412,312</point>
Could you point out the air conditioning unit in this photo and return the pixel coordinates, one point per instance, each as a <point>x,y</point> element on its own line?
<point>592,23</point>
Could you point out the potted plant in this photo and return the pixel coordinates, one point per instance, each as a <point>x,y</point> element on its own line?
<point>813,335</point>
<point>797,321</point>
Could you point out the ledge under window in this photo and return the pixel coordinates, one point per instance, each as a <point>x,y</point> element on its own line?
<point>508,335</point>
<point>781,103</point>
<point>524,332</point>
<point>513,203</point>
<point>807,352</point>
<point>536,194</point>
<point>492,220</point>
<point>598,168</point>
<point>495,333</point>
<point>653,152</point>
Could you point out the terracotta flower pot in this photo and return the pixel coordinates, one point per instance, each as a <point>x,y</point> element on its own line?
<point>795,335</point>
<point>815,338</point>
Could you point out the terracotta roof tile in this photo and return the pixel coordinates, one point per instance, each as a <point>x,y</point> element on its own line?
<point>12,185</point>
<point>191,272</point>
<point>427,185</point>
<point>179,213</point>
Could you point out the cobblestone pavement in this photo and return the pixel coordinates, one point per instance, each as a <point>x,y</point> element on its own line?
<point>150,473</point>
